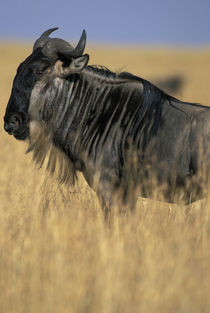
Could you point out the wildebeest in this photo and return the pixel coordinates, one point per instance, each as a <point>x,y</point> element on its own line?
<point>122,132</point>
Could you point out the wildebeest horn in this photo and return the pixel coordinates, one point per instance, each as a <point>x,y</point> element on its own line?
<point>78,51</point>
<point>41,41</point>
<point>55,47</point>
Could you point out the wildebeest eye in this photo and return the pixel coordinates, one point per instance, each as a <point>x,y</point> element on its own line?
<point>39,72</point>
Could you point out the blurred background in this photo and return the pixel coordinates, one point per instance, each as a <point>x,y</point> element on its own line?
<point>168,22</point>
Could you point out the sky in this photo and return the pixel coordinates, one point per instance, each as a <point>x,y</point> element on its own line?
<point>168,22</point>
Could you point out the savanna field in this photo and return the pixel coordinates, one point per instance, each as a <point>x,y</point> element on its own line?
<point>59,255</point>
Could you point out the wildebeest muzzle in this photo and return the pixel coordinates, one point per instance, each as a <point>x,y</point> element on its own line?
<point>17,125</point>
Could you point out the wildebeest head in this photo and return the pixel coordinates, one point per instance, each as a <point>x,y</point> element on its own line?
<point>50,56</point>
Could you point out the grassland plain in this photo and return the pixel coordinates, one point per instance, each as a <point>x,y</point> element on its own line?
<point>57,254</point>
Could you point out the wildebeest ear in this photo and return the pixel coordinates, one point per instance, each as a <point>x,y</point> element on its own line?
<point>76,65</point>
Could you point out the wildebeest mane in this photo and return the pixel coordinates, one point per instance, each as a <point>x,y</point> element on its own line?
<point>120,111</point>
<point>102,71</point>
<point>139,120</point>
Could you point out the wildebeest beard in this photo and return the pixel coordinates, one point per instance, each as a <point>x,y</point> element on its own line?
<point>41,144</point>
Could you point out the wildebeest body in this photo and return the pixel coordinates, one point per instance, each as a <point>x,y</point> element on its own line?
<point>121,131</point>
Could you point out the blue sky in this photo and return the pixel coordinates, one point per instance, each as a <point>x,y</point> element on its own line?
<point>168,22</point>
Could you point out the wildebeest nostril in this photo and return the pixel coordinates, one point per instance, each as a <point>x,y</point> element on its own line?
<point>6,127</point>
<point>12,124</point>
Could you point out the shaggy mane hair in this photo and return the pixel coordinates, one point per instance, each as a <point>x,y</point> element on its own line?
<point>115,106</point>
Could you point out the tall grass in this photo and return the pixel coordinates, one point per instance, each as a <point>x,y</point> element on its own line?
<point>57,254</point>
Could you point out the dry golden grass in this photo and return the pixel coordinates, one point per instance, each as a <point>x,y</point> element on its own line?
<point>57,254</point>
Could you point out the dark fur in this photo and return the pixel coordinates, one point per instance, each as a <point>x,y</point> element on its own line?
<point>122,132</point>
